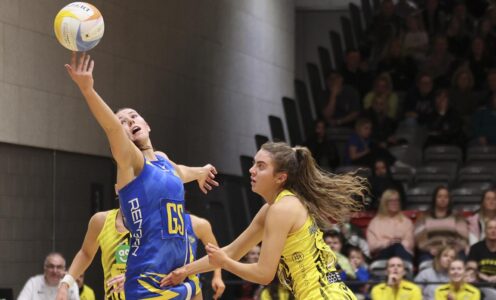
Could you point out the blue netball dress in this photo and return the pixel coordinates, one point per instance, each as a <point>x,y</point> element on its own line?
<point>193,239</point>
<point>153,207</point>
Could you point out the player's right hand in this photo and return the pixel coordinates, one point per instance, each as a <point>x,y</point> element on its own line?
<point>174,278</point>
<point>117,283</point>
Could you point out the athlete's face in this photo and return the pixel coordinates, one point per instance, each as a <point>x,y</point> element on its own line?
<point>456,271</point>
<point>54,269</point>
<point>134,125</point>
<point>446,258</point>
<point>264,181</point>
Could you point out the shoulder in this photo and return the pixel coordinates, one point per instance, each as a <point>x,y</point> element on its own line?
<point>286,205</point>
<point>409,286</point>
<point>378,287</point>
<point>98,220</point>
<point>468,288</point>
<point>443,288</point>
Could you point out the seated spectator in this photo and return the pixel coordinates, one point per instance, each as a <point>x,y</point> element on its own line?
<point>396,287</point>
<point>335,241</point>
<point>416,39</point>
<point>384,26</point>
<point>383,89</point>
<point>44,286</point>
<point>486,32</point>
<point>353,237</point>
<point>405,8</point>
<point>354,72</point>
<point>482,255</point>
<point>419,102</point>
<point>85,292</point>
<point>458,38</point>
<point>485,124</point>
<point>360,151</point>
<point>477,222</point>
<point>440,62</point>
<point>274,291</point>
<point>341,105</point>
<point>480,61</point>
<point>357,261</point>
<point>390,233</point>
<point>462,97</point>
<point>434,19</point>
<point>401,69</point>
<point>444,125</point>
<point>382,180</point>
<point>440,227</point>
<point>437,273</point>
<point>384,127</point>
<point>457,288</point>
<point>324,151</point>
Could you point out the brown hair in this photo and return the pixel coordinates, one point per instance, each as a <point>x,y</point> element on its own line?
<point>436,263</point>
<point>327,196</point>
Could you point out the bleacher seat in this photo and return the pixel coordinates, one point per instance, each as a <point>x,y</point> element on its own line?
<point>405,175</point>
<point>316,88</point>
<point>325,61</point>
<point>466,195</point>
<point>337,48</point>
<point>434,174</point>
<point>419,197</point>
<point>443,154</point>
<point>481,154</point>
<point>340,136</point>
<point>475,173</point>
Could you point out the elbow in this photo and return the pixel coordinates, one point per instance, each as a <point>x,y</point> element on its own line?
<point>266,279</point>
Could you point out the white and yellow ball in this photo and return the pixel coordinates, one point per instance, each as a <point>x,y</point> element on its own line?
<point>79,26</point>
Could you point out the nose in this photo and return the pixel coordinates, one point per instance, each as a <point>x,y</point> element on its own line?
<point>252,170</point>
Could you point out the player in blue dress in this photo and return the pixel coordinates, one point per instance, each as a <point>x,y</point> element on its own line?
<point>151,194</point>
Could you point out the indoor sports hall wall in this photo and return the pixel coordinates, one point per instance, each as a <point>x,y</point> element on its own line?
<point>205,74</point>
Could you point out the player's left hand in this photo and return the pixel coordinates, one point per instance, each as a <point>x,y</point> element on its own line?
<point>218,286</point>
<point>117,283</point>
<point>207,178</point>
<point>216,256</point>
<point>174,278</point>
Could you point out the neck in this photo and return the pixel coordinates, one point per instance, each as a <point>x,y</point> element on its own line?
<point>491,245</point>
<point>270,198</point>
<point>457,285</point>
<point>441,212</point>
<point>149,153</point>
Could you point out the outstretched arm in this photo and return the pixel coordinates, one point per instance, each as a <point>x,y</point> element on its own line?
<point>204,175</point>
<point>235,250</point>
<point>278,224</point>
<point>85,255</point>
<point>203,231</point>
<point>123,150</point>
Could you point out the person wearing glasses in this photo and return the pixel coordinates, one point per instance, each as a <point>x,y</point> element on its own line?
<point>44,286</point>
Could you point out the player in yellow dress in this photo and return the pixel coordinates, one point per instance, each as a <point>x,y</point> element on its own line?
<point>301,199</point>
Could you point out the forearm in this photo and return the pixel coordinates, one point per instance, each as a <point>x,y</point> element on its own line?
<point>189,174</point>
<point>218,274</point>
<point>250,272</point>
<point>80,263</point>
<point>330,108</point>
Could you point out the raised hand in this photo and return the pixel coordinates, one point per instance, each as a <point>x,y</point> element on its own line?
<point>81,70</point>
<point>207,180</point>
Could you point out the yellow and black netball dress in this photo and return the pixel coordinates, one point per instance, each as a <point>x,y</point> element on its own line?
<point>308,266</point>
